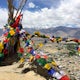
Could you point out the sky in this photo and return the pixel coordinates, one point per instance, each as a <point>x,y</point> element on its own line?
<point>45,13</point>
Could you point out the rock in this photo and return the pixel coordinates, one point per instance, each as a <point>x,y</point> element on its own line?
<point>72,78</point>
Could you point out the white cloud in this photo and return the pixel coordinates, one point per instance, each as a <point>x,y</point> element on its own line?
<point>31,5</point>
<point>67,13</point>
<point>70,11</point>
<point>3,17</point>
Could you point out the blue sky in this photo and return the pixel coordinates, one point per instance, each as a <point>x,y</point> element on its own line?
<point>3,3</point>
<point>39,3</point>
<point>46,13</point>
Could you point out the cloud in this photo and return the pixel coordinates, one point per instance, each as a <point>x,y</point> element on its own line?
<point>38,19</point>
<point>31,5</point>
<point>45,3</point>
<point>68,13</point>
<point>3,17</point>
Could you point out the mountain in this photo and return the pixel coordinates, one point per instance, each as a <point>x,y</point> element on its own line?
<point>57,31</point>
<point>63,31</point>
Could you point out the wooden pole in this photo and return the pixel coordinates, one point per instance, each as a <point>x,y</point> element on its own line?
<point>10,10</point>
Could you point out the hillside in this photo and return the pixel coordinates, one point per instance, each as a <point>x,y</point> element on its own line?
<point>59,31</point>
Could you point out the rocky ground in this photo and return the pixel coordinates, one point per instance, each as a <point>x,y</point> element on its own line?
<point>70,64</point>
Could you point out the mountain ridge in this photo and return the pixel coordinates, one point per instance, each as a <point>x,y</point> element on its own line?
<point>59,31</point>
<point>56,31</point>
